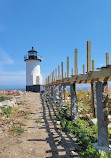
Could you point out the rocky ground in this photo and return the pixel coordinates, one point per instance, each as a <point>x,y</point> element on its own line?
<point>42,137</point>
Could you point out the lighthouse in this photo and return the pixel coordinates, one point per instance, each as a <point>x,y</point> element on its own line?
<point>33,75</point>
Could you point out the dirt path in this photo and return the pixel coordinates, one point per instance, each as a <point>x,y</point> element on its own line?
<point>42,138</point>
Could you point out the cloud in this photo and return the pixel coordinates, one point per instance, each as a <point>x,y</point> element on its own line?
<point>12,79</point>
<point>5,58</point>
<point>9,78</point>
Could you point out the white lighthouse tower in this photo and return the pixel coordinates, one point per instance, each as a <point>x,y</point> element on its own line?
<point>33,76</point>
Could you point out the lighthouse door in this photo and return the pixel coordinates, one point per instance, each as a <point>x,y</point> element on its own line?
<point>37,80</point>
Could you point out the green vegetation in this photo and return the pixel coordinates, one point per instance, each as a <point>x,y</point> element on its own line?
<point>2,98</point>
<point>16,130</point>
<point>85,134</point>
<point>39,120</point>
<point>6,111</point>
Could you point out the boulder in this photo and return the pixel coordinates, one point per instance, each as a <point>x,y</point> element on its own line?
<point>0,104</point>
<point>0,110</point>
<point>109,118</point>
<point>13,103</point>
<point>93,122</point>
<point>84,117</point>
<point>58,122</point>
<point>7,103</point>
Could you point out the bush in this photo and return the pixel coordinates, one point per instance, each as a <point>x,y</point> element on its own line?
<point>2,98</point>
<point>17,130</point>
<point>6,111</point>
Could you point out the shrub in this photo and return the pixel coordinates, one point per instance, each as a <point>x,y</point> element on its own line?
<point>17,130</point>
<point>6,111</point>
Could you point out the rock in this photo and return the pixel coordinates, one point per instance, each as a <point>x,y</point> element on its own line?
<point>7,103</point>
<point>0,104</point>
<point>72,148</point>
<point>13,103</point>
<point>109,125</point>
<point>58,122</point>
<point>18,140</point>
<point>14,100</point>
<point>93,122</point>
<point>84,117</point>
<point>109,118</point>
<point>1,131</point>
<point>80,110</point>
<point>0,110</point>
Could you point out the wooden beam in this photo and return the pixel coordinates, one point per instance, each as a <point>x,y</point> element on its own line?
<point>62,69</point>
<point>88,56</point>
<point>92,65</point>
<point>58,72</point>
<point>76,69</point>
<point>102,75</point>
<point>107,58</point>
<point>67,67</point>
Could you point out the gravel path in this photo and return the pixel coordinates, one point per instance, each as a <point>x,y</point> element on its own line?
<point>42,138</point>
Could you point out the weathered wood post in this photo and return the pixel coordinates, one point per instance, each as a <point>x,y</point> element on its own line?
<point>107,58</point>
<point>102,113</point>
<point>64,91</point>
<point>74,104</point>
<point>60,96</point>
<point>62,69</point>
<point>67,67</point>
<point>92,98</point>
<point>93,95</point>
<point>76,69</point>
<point>88,56</point>
<point>58,72</point>
<point>54,93</point>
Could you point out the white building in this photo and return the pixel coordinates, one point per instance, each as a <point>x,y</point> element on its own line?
<point>33,75</point>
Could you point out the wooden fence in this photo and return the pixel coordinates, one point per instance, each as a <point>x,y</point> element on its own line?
<point>99,89</point>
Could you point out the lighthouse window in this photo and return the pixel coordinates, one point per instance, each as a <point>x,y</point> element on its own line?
<point>37,79</point>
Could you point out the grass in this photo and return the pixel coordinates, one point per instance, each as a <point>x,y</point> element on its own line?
<point>7,111</point>
<point>39,120</point>
<point>17,130</point>
<point>85,134</point>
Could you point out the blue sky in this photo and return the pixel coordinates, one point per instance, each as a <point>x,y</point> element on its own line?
<point>54,28</point>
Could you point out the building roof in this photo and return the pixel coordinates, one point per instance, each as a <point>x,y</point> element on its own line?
<point>32,51</point>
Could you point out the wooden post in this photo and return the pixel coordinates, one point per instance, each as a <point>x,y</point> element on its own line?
<point>67,67</point>
<point>83,69</point>
<point>92,98</point>
<point>107,58</point>
<point>62,69</point>
<point>92,65</point>
<point>64,91</point>
<point>74,104</point>
<point>76,70</point>
<point>48,79</point>
<point>58,72</point>
<point>102,113</point>
<point>72,71</point>
<point>52,76</point>
<point>88,56</point>
<point>60,96</point>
